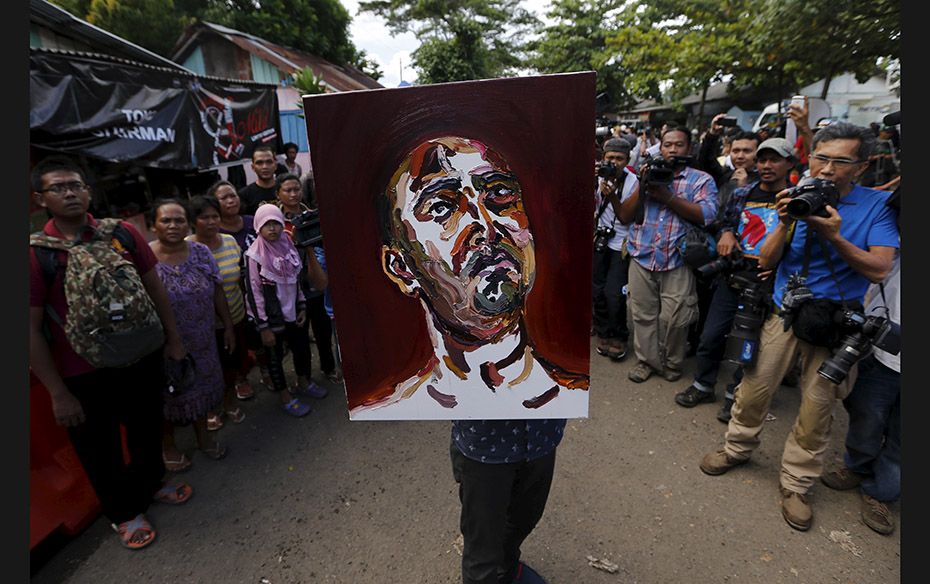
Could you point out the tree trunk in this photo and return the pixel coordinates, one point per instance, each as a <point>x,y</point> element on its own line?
<point>700,120</point>
<point>826,82</point>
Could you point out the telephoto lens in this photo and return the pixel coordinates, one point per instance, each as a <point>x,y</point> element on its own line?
<point>852,348</point>
<point>743,341</point>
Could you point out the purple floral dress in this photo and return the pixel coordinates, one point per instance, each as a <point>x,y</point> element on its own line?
<point>190,287</point>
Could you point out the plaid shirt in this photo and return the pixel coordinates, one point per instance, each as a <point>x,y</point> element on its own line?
<point>653,244</point>
<point>730,219</point>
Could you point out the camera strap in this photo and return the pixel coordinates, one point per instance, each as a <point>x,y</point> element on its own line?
<point>604,204</point>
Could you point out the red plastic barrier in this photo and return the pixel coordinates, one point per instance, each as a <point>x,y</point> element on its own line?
<point>60,496</point>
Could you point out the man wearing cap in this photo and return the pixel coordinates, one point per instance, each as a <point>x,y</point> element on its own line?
<point>746,222</point>
<point>611,265</point>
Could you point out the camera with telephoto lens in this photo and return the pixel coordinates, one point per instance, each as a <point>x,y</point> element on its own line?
<point>752,306</point>
<point>307,230</point>
<point>725,264</point>
<point>608,170</point>
<point>867,332</point>
<point>796,293</point>
<point>810,197</point>
<point>659,171</point>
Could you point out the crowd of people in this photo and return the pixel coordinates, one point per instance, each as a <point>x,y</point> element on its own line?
<point>695,237</point>
<point>777,260</point>
<point>229,290</point>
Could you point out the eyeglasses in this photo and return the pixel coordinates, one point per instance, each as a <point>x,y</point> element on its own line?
<point>837,162</point>
<point>62,188</point>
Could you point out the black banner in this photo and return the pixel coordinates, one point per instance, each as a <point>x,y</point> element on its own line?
<point>155,117</point>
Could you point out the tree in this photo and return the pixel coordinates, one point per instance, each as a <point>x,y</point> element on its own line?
<point>319,27</point>
<point>461,39</point>
<point>819,39</point>
<point>577,41</point>
<point>153,24</point>
<point>306,82</point>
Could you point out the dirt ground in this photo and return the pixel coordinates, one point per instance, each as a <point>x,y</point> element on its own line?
<point>324,500</point>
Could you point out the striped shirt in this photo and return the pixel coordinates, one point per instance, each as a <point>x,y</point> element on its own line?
<point>653,244</point>
<point>228,256</point>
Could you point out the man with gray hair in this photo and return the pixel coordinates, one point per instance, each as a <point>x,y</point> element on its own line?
<point>825,257</point>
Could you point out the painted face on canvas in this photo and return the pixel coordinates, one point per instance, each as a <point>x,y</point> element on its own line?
<point>461,238</point>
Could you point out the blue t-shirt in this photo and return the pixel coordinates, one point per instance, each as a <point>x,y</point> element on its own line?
<point>867,221</point>
<point>505,441</point>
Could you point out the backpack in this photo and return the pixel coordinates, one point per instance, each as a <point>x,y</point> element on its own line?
<point>111,321</point>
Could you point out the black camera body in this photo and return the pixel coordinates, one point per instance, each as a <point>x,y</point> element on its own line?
<point>307,230</point>
<point>601,236</point>
<point>796,293</point>
<point>811,196</point>
<point>659,171</point>
<point>728,264</point>
<point>866,332</point>
<point>608,170</point>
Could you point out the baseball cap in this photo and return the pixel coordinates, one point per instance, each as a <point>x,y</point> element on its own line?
<point>617,145</point>
<point>778,145</point>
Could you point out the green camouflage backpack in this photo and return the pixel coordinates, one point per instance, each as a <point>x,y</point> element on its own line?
<point>111,321</point>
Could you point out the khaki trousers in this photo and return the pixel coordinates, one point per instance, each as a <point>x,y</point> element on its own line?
<point>662,306</point>
<point>802,459</point>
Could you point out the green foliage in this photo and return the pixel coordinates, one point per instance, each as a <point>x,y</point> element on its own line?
<point>319,27</point>
<point>460,39</point>
<point>153,24</point>
<point>576,41</point>
<point>306,82</point>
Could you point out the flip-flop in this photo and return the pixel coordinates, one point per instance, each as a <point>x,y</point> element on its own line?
<point>129,529</point>
<point>214,422</point>
<point>179,465</point>
<point>175,494</point>
<point>296,408</point>
<point>218,452</point>
<point>235,416</point>
<point>244,390</point>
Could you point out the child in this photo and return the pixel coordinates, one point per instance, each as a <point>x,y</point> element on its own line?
<point>276,304</point>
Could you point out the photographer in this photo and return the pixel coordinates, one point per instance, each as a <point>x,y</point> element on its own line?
<point>872,460</point>
<point>615,182</point>
<point>670,196</point>
<point>746,222</point>
<point>845,237</point>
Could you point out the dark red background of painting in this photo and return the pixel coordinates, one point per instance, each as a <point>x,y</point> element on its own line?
<point>540,125</point>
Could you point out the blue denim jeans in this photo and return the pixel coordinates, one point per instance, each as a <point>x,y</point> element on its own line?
<point>873,442</point>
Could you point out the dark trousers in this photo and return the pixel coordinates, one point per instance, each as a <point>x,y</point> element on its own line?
<point>322,332</point>
<point>873,441</point>
<point>704,288</point>
<point>235,364</point>
<point>717,325</point>
<point>611,273</point>
<point>299,343</point>
<point>132,397</point>
<point>501,504</point>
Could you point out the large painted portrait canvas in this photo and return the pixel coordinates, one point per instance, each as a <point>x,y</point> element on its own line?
<point>457,222</point>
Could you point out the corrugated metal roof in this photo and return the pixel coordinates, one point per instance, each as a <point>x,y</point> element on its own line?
<point>339,78</point>
<point>66,24</point>
<point>119,60</point>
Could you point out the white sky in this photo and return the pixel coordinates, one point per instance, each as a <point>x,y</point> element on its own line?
<point>370,33</point>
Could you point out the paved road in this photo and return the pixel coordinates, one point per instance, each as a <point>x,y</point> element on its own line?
<point>325,500</point>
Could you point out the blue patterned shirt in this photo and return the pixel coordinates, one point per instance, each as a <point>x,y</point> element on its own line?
<point>653,244</point>
<point>733,210</point>
<point>503,441</point>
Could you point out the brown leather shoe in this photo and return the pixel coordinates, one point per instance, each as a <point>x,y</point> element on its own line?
<point>795,509</point>
<point>717,463</point>
<point>841,479</point>
<point>876,515</point>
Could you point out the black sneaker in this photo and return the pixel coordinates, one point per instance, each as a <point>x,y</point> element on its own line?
<point>724,414</point>
<point>693,396</point>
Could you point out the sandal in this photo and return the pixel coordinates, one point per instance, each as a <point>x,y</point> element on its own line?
<point>235,416</point>
<point>266,377</point>
<point>129,532</point>
<point>296,408</point>
<point>244,390</point>
<point>179,465</point>
<point>214,422</point>
<point>174,494</point>
<point>335,376</point>
<point>218,451</point>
